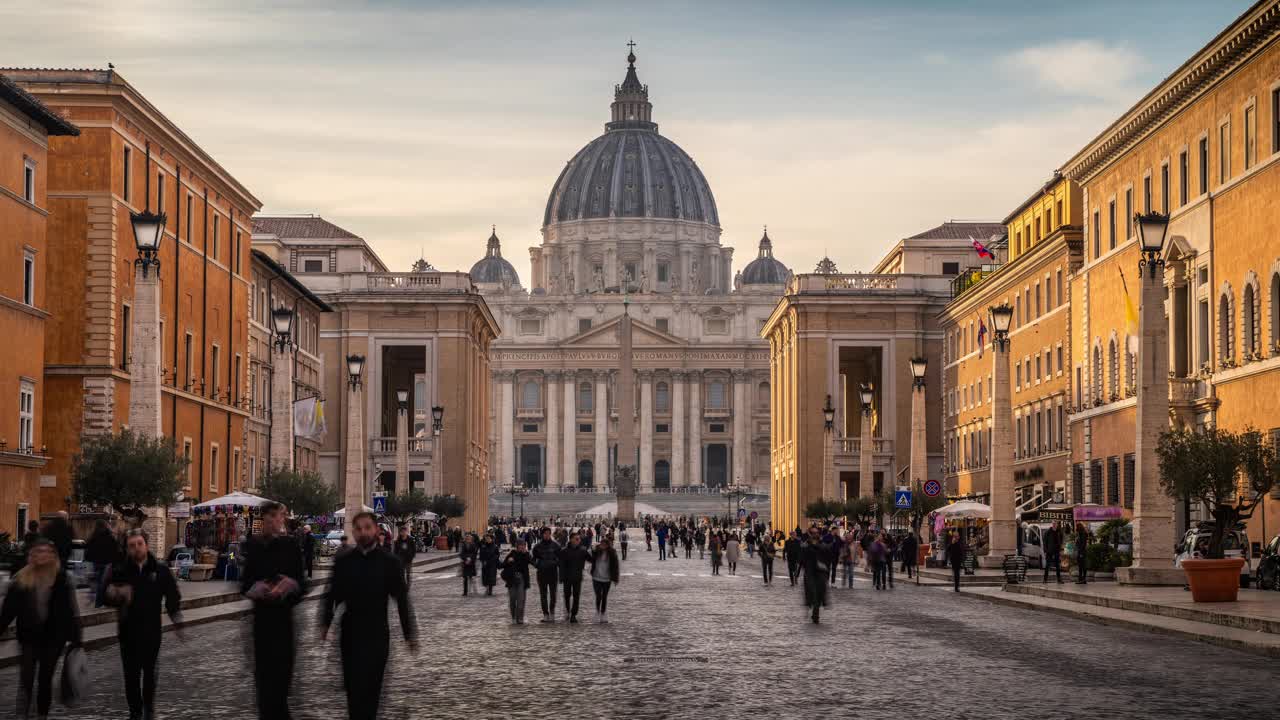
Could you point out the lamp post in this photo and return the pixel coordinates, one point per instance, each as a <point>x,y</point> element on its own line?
<point>281,437</point>
<point>437,449</point>
<point>828,429</point>
<point>919,423</point>
<point>866,480</point>
<point>1152,509</point>
<point>354,476</point>
<point>1003,528</point>
<point>402,440</point>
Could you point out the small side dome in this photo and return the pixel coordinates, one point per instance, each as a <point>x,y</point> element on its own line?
<point>493,268</point>
<point>765,269</point>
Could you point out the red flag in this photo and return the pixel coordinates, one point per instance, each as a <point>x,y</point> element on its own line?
<point>982,250</point>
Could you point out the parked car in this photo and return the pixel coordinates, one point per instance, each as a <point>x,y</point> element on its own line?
<point>1235,544</point>
<point>1268,573</point>
<point>331,542</point>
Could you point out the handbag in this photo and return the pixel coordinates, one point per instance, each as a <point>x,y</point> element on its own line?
<point>75,676</point>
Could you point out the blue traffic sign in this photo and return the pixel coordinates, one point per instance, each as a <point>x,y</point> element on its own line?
<point>380,504</point>
<point>902,499</point>
<point>933,488</point>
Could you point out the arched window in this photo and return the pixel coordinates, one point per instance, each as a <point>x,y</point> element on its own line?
<point>662,397</point>
<point>1250,337</point>
<point>1131,363</point>
<point>1275,315</point>
<point>585,397</point>
<point>1226,346</point>
<point>1113,371</point>
<point>1096,379</point>
<point>716,396</point>
<point>530,395</point>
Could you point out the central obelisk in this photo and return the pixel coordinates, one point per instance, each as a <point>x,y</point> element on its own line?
<point>624,479</point>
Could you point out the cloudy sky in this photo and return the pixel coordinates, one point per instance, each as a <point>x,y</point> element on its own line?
<point>842,126</point>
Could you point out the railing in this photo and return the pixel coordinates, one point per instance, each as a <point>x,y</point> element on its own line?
<point>387,446</point>
<point>404,280</point>
<point>528,412</point>
<point>407,282</point>
<point>870,283</point>
<point>970,278</point>
<point>853,446</point>
<point>1185,391</point>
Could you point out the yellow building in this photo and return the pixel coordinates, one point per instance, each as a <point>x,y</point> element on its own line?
<point>1204,147</point>
<point>1043,248</point>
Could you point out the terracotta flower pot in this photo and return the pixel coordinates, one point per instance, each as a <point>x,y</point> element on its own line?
<point>1213,580</point>
<point>442,542</point>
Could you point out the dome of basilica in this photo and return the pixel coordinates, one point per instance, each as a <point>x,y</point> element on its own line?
<point>631,171</point>
<point>765,269</point>
<point>493,268</point>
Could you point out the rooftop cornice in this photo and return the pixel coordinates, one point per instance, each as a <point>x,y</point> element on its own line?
<point>1234,46</point>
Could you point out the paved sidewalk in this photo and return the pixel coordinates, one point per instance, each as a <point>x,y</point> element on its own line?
<point>219,601</point>
<point>1251,624</point>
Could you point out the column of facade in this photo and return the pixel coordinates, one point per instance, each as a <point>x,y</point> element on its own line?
<point>741,425</point>
<point>714,268</point>
<point>612,277</point>
<point>646,430</point>
<point>551,391</point>
<point>601,465</point>
<point>684,268</point>
<point>866,457</point>
<point>677,428</point>
<point>144,370</point>
<point>402,449</point>
<point>353,475</point>
<point>1003,528</point>
<point>694,473</point>
<point>506,427</point>
<point>569,422</point>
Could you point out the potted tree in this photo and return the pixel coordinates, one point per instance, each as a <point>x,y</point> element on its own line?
<point>445,507</point>
<point>127,472</point>
<point>1207,467</point>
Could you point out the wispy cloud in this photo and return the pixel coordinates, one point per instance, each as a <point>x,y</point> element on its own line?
<point>1081,68</point>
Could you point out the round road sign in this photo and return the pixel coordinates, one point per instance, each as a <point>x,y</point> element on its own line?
<point>933,488</point>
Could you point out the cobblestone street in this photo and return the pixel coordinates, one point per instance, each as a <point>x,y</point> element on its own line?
<point>682,641</point>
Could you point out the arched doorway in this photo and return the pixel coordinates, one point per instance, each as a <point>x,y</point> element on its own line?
<point>717,465</point>
<point>662,475</point>
<point>531,466</point>
<point>586,474</point>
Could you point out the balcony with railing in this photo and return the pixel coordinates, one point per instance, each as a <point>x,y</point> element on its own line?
<point>411,282</point>
<point>387,446</point>
<point>867,284</point>
<point>848,451</point>
<point>971,278</point>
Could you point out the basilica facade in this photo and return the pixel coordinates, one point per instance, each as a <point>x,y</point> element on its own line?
<point>631,226</point>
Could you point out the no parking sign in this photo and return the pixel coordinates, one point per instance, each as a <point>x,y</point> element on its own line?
<point>933,488</point>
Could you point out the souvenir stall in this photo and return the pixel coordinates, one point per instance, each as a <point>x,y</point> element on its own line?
<point>969,518</point>
<point>217,525</point>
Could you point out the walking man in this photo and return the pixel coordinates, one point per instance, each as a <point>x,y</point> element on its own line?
<point>956,550</point>
<point>405,550</point>
<point>767,553</point>
<point>273,580</point>
<point>308,542</point>
<point>622,540</point>
<point>910,553</point>
<point>662,541</point>
<point>572,559</point>
<point>139,586</point>
<point>816,560</point>
<point>364,580</point>
<point>791,553</point>
<point>102,551</point>
<point>546,558</point>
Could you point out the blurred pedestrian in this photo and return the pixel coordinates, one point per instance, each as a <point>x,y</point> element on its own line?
<point>604,575</point>
<point>572,560</point>
<point>488,557</point>
<point>1051,544</point>
<point>816,560</point>
<point>273,580</point>
<point>956,551</point>
<point>43,602</point>
<point>546,557</point>
<point>308,542</point>
<point>140,586</point>
<point>791,553</point>
<point>58,531</point>
<point>910,550</point>
<point>515,573</point>
<point>102,551</point>
<point>732,550</point>
<point>623,539</point>
<point>767,553</point>
<point>468,553</point>
<point>405,549</point>
<point>364,581</point>
<point>1082,554</point>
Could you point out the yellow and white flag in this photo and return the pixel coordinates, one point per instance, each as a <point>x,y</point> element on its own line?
<point>1130,316</point>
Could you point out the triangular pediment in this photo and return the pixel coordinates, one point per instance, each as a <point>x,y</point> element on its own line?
<point>606,335</point>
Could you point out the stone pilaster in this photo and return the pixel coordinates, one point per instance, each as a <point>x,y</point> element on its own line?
<point>646,431</point>
<point>282,408</point>
<point>570,436</point>
<point>353,475</point>
<point>402,450</point>
<point>866,457</point>
<point>694,474</point>
<point>144,369</point>
<point>551,392</point>
<point>919,428</point>
<point>601,474</point>
<point>1003,528</point>
<point>1152,509</point>
<point>506,427</point>
<point>99,405</point>
<point>678,478</point>
<point>741,427</point>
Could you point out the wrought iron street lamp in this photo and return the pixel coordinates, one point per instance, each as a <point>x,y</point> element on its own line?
<point>1001,319</point>
<point>282,321</point>
<point>1151,231</point>
<point>918,367</point>
<point>355,368</point>
<point>437,419</point>
<point>148,230</point>
<point>828,415</point>
<point>402,399</point>
<point>866,395</point>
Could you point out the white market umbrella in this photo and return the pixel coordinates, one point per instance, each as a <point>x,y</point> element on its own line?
<point>343,511</point>
<point>965,509</point>
<point>428,515</point>
<point>235,498</point>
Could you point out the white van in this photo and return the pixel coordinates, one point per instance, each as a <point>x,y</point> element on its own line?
<point>1235,544</point>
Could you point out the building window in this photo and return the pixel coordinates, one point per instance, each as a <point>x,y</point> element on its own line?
<point>584,324</point>
<point>190,356</point>
<point>1250,136</point>
<point>217,364</point>
<point>26,415</point>
<point>663,325</point>
<point>585,398</point>
<point>1113,371</point>
<point>716,395</point>
<point>214,246</point>
<point>1164,189</point>
<point>1130,466</point>
<point>584,428</point>
<point>1128,213</point>
<point>1249,313</point>
<point>717,326</point>
<point>1061,297</point>
<point>28,278</point>
<point>1111,219</point>
<point>1097,235</point>
<point>1017,372</point>
<point>662,397</point>
<point>235,469</point>
<point>234,392</point>
<point>1224,153</point>
<point>29,182</point>
<point>530,395</point>
<point>716,427</point>
<point>1183,181</point>
<point>950,268</point>
<point>1095,482</point>
<point>1275,315</point>
<point>1146,194</point>
<point>530,326</point>
<point>529,427</point>
<point>1226,349</point>
<point>126,325</point>
<point>1059,349</point>
<point>236,260</point>
<point>1204,165</point>
<point>662,428</point>
<point>1113,480</point>
<point>191,214</point>
<point>664,272</point>
<point>128,174</point>
<point>186,455</point>
<point>213,467</point>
